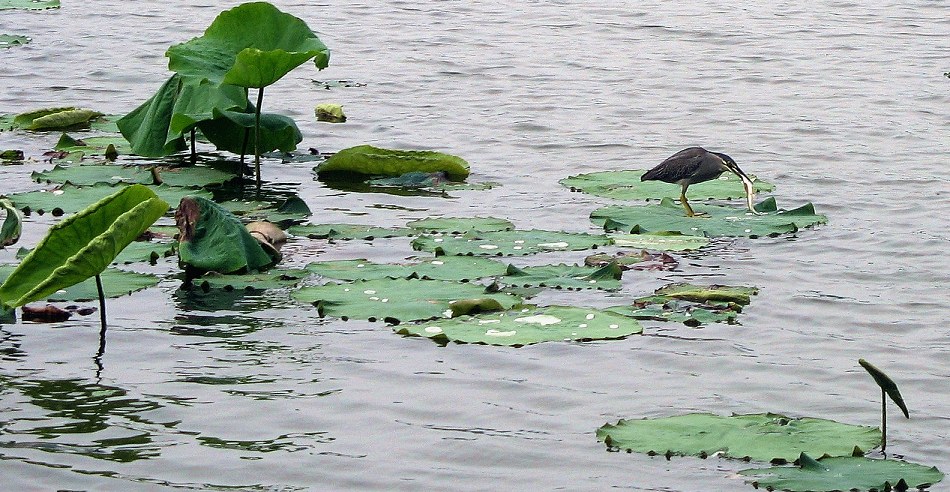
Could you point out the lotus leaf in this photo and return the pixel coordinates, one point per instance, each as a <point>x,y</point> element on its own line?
<point>887,385</point>
<point>330,112</point>
<point>661,309</point>
<point>68,198</point>
<point>93,145</point>
<point>115,283</point>
<point>459,225</point>
<point>508,243</point>
<point>374,161</point>
<point>660,241</point>
<point>82,245</point>
<point>400,300</point>
<point>706,293</point>
<point>54,118</point>
<point>570,277</point>
<point>228,130</point>
<point>211,239</point>
<point>345,232</point>
<point>10,156</point>
<point>145,251</point>
<point>442,268</point>
<point>12,224</point>
<point>11,40</point>
<point>527,326</point>
<point>189,176</point>
<point>29,4</point>
<point>271,279</point>
<point>289,211</point>
<point>760,437</point>
<point>722,221</point>
<point>642,260</point>
<point>853,473</point>
<point>251,45</point>
<point>626,185</point>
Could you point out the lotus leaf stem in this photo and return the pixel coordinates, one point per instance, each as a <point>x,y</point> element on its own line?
<point>257,136</point>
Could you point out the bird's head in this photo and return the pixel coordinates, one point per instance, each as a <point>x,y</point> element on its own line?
<point>731,165</point>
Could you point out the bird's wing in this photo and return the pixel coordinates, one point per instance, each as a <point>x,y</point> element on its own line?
<point>678,166</point>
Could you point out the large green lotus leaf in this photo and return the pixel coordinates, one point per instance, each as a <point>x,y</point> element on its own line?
<point>722,221</point>
<point>11,40</point>
<point>68,198</point>
<point>229,131</point>
<point>83,245</point>
<point>54,118</point>
<point>660,241</point>
<point>29,4</point>
<point>571,277</point>
<point>374,161</point>
<point>456,268</point>
<point>526,326</point>
<point>12,223</point>
<point>852,473</point>
<point>760,437</point>
<point>251,45</point>
<point>211,239</point>
<point>345,232</point>
<point>626,185</point>
<point>508,243</point>
<point>186,176</point>
<point>705,293</point>
<point>402,300</point>
<point>459,225</point>
<point>272,279</point>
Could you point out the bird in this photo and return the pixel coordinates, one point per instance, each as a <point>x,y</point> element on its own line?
<point>696,165</point>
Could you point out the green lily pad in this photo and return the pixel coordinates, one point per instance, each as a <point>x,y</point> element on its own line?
<point>705,293</point>
<point>459,225</point>
<point>145,251</point>
<point>95,145</point>
<point>401,300</point>
<point>115,283</point>
<point>345,232</point>
<point>692,305</point>
<point>852,473</point>
<point>68,198</point>
<point>374,161</point>
<point>571,277</point>
<point>29,4</point>
<point>443,268</point>
<point>11,40</point>
<point>660,241</point>
<point>289,211</point>
<point>54,118</point>
<point>271,279</point>
<point>626,185</point>
<point>527,326</point>
<point>508,243</point>
<point>187,176</point>
<point>722,221</point>
<point>759,437</point>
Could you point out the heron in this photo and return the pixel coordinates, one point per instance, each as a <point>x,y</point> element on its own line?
<point>695,165</point>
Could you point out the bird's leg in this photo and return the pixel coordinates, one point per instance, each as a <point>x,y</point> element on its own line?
<point>689,210</point>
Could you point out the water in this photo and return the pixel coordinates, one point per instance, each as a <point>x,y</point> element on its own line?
<point>841,104</point>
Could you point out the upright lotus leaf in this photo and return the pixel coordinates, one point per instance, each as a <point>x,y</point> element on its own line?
<point>508,243</point>
<point>373,161</point>
<point>722,221</point>
<point>82,245</point>
<point>54,118</point>
<point>12,223</point>
<point>346,232</point>
<point>251,45</point>
<point>458,268</point>
<point>228,131</point>
<point>852,473</point>
<point>626,185</point>
<point>460,225</point>
<point>760,437</point>
<point>527,326</point>
<point>571,277</point>
<point>400,300</point>
<point>211,239</point>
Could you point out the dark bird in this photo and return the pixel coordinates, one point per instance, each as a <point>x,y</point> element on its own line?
<point>695,165</point>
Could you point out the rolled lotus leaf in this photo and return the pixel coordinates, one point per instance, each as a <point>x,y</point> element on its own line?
<point>12,224</point>
<point>886,383</point>
<point>54,118</point>
<point>374,161</point>
<point>211,239</point>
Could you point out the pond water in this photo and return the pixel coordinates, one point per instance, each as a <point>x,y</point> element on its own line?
<point>839,103</point>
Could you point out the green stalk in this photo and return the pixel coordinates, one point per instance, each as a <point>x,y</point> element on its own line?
<point>194,153</point>
<point>102,307</point>
<point>883,420</point>
<point>257,136</point>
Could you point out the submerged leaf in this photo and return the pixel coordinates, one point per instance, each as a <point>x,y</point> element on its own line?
<point>374,161</point>
<point>886,383</point>
<point>852,473</point>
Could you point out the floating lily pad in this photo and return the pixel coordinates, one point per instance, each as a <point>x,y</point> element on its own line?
<point>626,185</point>
<point>11,40</point>
<point>759,437</point>
<point>188,176</point>
<point>115,283</point>
<point>402,300</point>
<point>145,251</point>
<point>98,144</point>
<point>68,198</point>
<point>443,268</point>
<point>852,473</point>
<point>527,326</point>
<point>660,241</point>
<point>722,221</point>
<point>346,232</point>
<point>272,279</point>
<point>705,293</point>
<point>54,118</point>
<point>571,277</point>
<point>508,243</point>
<point>644,260</point>
<point>459,225</point>
<point>29,4</point>
<point>374,161</point>
<point>692,305</point>
<point>289,211</point>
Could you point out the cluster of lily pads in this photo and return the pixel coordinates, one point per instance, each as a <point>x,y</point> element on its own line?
<point>461,288</point>
<point>11,40</point>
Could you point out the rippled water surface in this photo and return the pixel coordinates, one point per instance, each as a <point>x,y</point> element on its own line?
<point>841,104</point>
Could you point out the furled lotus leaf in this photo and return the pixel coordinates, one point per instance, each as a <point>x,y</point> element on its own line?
<point>272,279</point>
<point>68,198</point>
<point>12,223</point>
<point>722,221</point>
<point>211,239</point>
<point>442,268</point>
<point>886,383</point>
<point>508,243</point>
<point>373,161</point>
<point>330,113</point>
<point>397,300</point>
<point>760,437</point>
<point>29,4</point>
<point>626,185</point>
<point>229,130</point>
<point>83,245</point>
<point>54,118</point>
<point>853,473</point>
<point>251,45</point>
<point>345,232</point>
<point>660,241</point>
<point>459,225</point>
<point>11,40</point>
<point>527,326</point>
<point>572,277</point>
